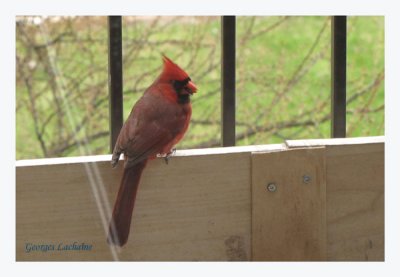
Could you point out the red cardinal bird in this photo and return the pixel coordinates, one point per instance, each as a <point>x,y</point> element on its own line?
<point>157,122</point>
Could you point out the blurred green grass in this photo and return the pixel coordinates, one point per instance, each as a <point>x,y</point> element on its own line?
<point>283,77</point>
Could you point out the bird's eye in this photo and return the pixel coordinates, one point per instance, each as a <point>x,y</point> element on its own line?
<point>179,85</point>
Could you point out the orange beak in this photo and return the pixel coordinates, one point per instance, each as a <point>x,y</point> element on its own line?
<point>192,87</point>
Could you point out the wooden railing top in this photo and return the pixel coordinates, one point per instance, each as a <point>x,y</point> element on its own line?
<point>217,150</point>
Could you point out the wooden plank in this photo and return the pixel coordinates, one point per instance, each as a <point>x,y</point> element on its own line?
<point>289,224</point>
<point>195,208</point>
<point>334,141</point>
<point>179,153</point>
<point>199,206</point>
<point>355,202</point>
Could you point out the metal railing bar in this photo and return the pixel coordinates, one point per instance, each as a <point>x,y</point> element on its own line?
<point>228,80</point>
<point>115,77</point>
<point>338,76</point>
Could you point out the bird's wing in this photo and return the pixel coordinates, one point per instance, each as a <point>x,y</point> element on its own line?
<point>152,125</point>
<point>147,142</point>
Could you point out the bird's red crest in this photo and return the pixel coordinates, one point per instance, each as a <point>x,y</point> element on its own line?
<point>172,71</point>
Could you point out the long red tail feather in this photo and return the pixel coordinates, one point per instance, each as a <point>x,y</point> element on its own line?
<point>122,214</point>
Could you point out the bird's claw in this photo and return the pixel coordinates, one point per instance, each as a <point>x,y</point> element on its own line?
<point>115,159</point>
<point>169,154</point>
<point>114,163</point>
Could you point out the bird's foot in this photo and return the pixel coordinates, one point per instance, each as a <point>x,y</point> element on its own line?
<point>115,159</point>
<point>169,154</point>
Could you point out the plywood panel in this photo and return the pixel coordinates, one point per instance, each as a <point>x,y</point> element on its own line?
<point>289,223</point>
<point>355,202</point>
<point>195,208</point>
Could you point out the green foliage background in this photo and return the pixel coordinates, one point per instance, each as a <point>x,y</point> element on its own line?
<point>283,78</point>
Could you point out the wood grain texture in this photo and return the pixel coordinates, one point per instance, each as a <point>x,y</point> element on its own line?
<point>212,205</point>
<point>289,224</point>
<point>355,202</point>
<point>195,208</point>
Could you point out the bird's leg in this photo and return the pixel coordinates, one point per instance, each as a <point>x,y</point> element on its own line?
<point>169,154</point>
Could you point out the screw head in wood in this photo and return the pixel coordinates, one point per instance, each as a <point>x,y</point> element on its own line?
<point>271,187</point>
<point>306,179</point>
